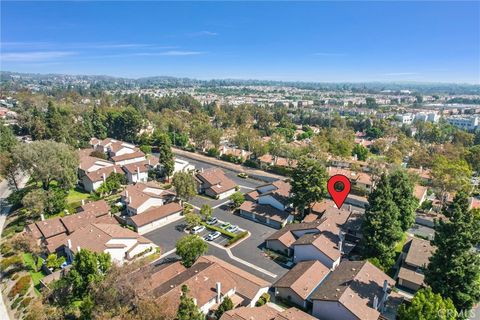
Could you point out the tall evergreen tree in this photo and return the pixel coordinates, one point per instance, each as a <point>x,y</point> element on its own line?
<point>402,193</point>
<point>165,154</point>
<point>309,183</point>
<point>188,310</point>
<point>454,269</point>
<point>381,226</point>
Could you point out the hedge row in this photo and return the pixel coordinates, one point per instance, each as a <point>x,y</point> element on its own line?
<point>222,231</point>
<point>237,237</point>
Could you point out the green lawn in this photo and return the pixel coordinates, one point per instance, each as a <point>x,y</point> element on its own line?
<point>36,275</point>
<point>76,195</point>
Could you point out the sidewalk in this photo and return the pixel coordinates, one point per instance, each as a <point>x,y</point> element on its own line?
<point>253,173</point>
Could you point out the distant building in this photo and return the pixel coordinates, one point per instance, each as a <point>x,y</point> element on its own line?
<point>465,123</point>
<point>427,117</point>
<point>406,118</point>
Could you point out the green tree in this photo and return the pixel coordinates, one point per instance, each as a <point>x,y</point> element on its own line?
<point>237,198</point>
<point>112,183</point>
<point>206,211</point>
<point>360,151</point>
<point>53,261</point>
<point>427,305</point>
<point>381,225</point>
<point>7,138</point>
<point>226,305</point>
<point>188,310</point>
<point>48,161</point>
<point>473,158</point>
<point>88,269</point>
<point>454,268</point>
<point>185,185</point>
<point>402,193</point>
<point>450,175</point>
<point>165,154</point>
<point>192,219</point>
<point>10,170</point>
<point>190,248</point>
<point>309,183</point>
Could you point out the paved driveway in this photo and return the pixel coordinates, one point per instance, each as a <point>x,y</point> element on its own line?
<point>248,250</point>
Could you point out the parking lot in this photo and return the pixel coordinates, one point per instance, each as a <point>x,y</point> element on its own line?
<point>222,239</point>
<point>248,250</point>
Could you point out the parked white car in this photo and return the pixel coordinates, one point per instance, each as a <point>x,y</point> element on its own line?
<point>197,229</point>
<point>213,235</point>
<point>232,228</point>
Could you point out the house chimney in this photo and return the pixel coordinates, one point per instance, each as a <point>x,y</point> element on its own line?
<point>219,291</point>
<point>69,244</point>
<point>201,170</point>
<point>375,302</point>
<point>385,285</point>
<point>114,170</point>
<point>42,217</point>
<point>78,249</point>
<point>130,199</point>
<point>104,176</point>
<point>340,245</point>
<point>149,162</point>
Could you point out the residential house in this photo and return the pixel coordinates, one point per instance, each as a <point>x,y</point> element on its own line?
<point>266,312</point>
<point>155,217</point>
<point>214,183</point>
<point>142,196</point>
<point>92,172</point>
<point>282,240</point>
<point>122,244</point>
<point>210,280</point>
<point>414,261</point>
<point>127,158</point>
<point>355,290</point>
<point>52,232</point>
<point>138,171</point>
<point>269,204</point>
<point>361,181</point>
<point>268,160</point>
<point>296,286</point>
<point>238,153</point>
<point>112,147</point>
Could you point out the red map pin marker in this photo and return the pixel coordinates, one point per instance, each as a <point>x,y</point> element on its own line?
<point>339,187</point>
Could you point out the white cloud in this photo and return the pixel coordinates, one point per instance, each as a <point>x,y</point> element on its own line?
<point>35,56</point>
<point>203,33</point>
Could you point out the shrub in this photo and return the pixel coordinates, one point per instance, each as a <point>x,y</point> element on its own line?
<point>16,302</point>
<point>237,237</point>
<point>251,163</point>
<point>231,158</point>
<point>25,303</point>
<point>215,228</point>
<point>20,287</point>
<point>213,152</point>
<point>264,298</point>
<point>15,261</point>
<point>146,149</point>
<point>284,171</point>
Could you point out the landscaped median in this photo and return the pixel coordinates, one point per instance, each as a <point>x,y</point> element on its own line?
<point>234,237</point>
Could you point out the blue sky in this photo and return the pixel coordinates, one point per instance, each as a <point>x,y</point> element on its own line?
<point>305,41</point>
